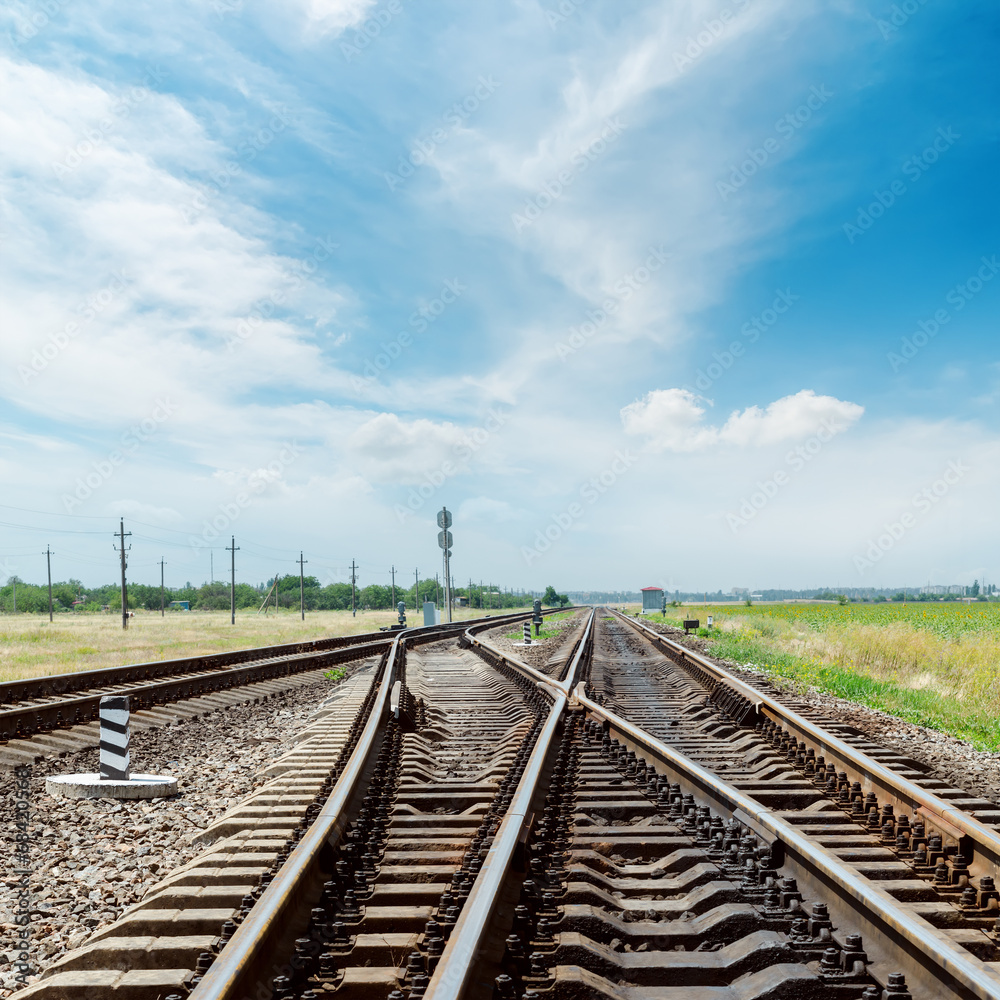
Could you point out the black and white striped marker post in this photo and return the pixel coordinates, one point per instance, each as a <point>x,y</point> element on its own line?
<point>114,738</point>
<point>115,779</point>
<point>527,633</point>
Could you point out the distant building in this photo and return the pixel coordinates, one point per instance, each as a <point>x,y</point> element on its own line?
<point>180,605</point>
<point>652,599</point>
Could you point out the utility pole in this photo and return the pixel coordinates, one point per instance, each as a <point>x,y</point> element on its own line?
<point>122,550</point>
<point>233,549</point>
<point>13,584</point>
<point>211,566</point>
<point>416,590</point>
<point>48,561</point>
<point>276,578</point>
<point>393,571</point>
<point>302,586</point>
<point>437,589</point>
<point>354,603</point>
<point>162,612</point>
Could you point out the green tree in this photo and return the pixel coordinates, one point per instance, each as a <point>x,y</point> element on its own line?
<point>375,595</point>
<point>553,600</point>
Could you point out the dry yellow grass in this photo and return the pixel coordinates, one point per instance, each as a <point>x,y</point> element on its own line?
<point>962,668</point>
<point>32,647</point>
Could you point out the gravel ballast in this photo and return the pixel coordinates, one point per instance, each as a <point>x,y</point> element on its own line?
<point>540,652</point>
<point>91,859</point>
<point>945,757</point>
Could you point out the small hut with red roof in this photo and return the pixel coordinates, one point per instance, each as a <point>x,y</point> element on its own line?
<point>652,599</point>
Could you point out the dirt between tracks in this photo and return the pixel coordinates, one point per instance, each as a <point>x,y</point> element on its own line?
<point>948,758</point>
<point>91,859</point>
<point>541,651</point>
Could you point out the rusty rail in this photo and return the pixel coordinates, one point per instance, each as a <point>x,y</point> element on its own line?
<point>244,966</point>
<point>895,937</point>
<point>163,681</point>
<point>459,963</point>
<point>976,841</point>
<point>31,688</point>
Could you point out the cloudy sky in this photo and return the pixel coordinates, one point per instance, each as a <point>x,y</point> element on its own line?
<point>697,294</point>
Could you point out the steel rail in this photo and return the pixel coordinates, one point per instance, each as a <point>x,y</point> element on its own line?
<point>29,688</point>
<point>243,966</point>
<point>22,721</point>
<point>533,673</point>
<point>187,678</point>
<point>459,961</point>
<point>977,842</point>
<point>246,965</point>
<point>897,938</point>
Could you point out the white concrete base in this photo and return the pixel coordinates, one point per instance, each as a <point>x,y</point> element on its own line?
<point>91,786</point>
<point>535,643</point>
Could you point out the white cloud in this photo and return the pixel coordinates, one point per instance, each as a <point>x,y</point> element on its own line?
<point>594,229</point>
<point>391,450</point>
<point>204,309</point>
<point>334,16</point>
<point>672,420</point>
<point>487,510</point>
<point>145,511</point>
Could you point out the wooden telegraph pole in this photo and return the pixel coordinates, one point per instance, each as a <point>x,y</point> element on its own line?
<point>123,534</point>
<point>302,586</point>
<point>48,562</point>
<point>233,549</point>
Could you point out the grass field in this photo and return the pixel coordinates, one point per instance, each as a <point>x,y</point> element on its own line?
<point>935,664</point>
<point>31,647</point>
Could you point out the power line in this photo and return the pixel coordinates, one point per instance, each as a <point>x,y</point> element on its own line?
<point>56,513</point>
<point>61,531</point>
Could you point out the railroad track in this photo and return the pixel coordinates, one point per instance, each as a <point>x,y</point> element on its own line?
<point>58,713</point>
<point>639,824</point>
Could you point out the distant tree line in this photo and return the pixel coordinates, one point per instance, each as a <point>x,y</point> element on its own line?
<point>910,596</point>
<point>72,595</point>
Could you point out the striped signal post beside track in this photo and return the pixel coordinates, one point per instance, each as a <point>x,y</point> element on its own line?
<point>527,633</point>
<point>114,738</point>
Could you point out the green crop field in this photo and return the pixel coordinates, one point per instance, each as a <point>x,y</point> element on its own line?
<point>933,663</point>
<point>949,620</point>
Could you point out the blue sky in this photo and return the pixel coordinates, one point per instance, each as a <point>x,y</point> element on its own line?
<point>694,294</point>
